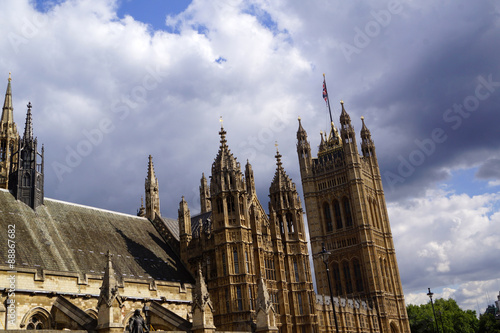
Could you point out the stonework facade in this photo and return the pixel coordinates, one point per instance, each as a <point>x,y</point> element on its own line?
<point>346,213</point>
<point>236,243</point>
<point>86,269</point>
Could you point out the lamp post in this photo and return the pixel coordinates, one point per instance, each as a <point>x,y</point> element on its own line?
<point>432,304</point>
<point>324,254</point>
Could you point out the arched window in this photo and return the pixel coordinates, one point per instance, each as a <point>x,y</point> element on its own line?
<point>296,269</point>
<point>336,278</point>
<point>224,269</point>
<point>239,298</point>
<point>220,207</point>
<point>26,181</point>
<point>289,222</point>
<point>328,217</point>
<point>280,221</point>
<point>36,322</point>
<point>347,277</point>
<point>338,215</point>
<point>236,264</point>
<point>347,211</point>
<point>230,203</point>
<point>357,276</point>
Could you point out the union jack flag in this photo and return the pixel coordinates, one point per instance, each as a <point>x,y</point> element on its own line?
<point>325,93</point>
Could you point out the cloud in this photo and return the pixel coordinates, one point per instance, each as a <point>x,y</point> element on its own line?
<point>445,239</point>
<point>107,91</point>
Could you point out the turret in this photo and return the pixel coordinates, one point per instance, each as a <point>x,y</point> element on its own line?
<point>348,135</point>
<point>185,232</point>
<point>250,182</point>
<point>8,137</point>
<point>303,151</point>
<point>205,203</point>
<point>367,145</point>
<point>152,194</point>
<point>26,170</point>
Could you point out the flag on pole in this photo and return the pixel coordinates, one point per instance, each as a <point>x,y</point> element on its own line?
<point>325,92</point>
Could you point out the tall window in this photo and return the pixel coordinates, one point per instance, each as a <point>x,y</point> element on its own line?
<point>280,221</point>
<point>230,203</point>
<point>26,181</point>
<point>357,276</point>
<point>347,277</point>
<point>289,222</point>
<point>348,214</point>
<point>328,217</point>
<point>250,297</point>
<point>239,298</point>
<point>336,278</point>
<point>247,262</point>
<point>296,268</point>
<point>227,300</point>
<point>220,208</point>
<point>301,308</point>
<point>224,268</point>
<point>236,264</point>
<point>338,216</point>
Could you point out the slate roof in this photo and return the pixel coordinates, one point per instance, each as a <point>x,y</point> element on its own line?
<point>66,237</point>
<point>173,226</point>
<point>201,223</point>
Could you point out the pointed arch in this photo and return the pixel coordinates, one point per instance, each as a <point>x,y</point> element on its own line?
<point>26,180</point>
<point>347,212</point>
<point>37,319</point>
<point>337,214</point>
<point>328,217</point>
<point>347,276</point>
<point>358,277</point>
<point>289,222</point>
<point>336,278</point>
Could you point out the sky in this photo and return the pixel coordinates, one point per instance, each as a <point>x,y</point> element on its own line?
<point>112,82</point>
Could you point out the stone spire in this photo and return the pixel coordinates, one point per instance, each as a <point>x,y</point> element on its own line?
<point>152,193</point>
<point>109,316</point>
<point>266,321</point>
<point>28,127</point>
<point>205,203</point>
<point>9,137</point>
<point>203,320</point>
<point>27,178</point>
<point>8,109</point>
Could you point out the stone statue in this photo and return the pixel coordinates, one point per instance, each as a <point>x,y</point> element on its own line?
<point>136,324</point>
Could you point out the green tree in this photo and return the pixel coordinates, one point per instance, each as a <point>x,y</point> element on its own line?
<point>488,324</point>
<point>451,319</point>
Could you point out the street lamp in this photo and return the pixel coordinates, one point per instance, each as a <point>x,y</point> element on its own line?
<point>432,304</point>
<point>324,254</point>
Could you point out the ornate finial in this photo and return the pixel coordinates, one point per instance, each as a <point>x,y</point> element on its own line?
<point>323,75</point>
<point>299,118</point>
<point>29,106</point>
<point>142,202</point>
<point>342,102</point>
<point>221,122</point>
<point>10,78</point>
<point>363,119</point>
<point>276,145</point>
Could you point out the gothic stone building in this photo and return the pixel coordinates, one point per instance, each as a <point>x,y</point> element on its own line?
<point>82,268</point>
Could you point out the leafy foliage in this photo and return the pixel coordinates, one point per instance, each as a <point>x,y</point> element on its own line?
<point>450,318</point>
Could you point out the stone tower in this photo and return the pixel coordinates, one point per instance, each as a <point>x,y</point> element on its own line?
<point>289,235</point>
<point>236,244</point>
<point>346,212</point>
<point>152,194</point>
<point>26,168</point>
<point>9,137</point>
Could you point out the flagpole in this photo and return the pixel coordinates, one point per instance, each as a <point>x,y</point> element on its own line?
<point>327,100</point>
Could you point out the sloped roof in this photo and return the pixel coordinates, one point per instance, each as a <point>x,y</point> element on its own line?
<point>201,223</point>
<point>173,226</point>
<point>66,237</point>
